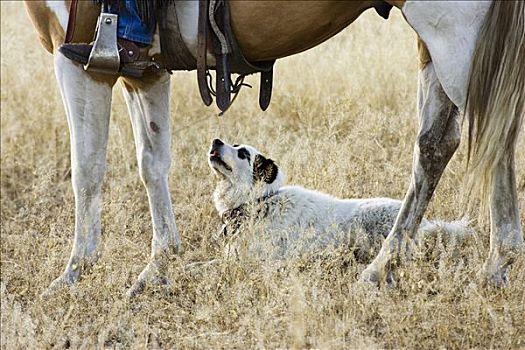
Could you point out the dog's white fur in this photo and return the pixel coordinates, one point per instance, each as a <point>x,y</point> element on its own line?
<point>294,218</point>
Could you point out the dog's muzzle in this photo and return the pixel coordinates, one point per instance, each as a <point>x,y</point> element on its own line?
<point>215,154</point>
<point>215,151</point>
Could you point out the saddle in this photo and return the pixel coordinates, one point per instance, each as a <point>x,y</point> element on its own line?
<point>228,57</point>
<point>215,35</point>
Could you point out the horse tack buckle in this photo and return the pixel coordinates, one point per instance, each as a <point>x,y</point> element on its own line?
<point>104,56</point>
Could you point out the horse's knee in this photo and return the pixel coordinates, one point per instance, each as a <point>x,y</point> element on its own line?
<point>153,168</point>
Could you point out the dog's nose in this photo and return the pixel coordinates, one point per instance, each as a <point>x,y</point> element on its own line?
<point>217,143</point>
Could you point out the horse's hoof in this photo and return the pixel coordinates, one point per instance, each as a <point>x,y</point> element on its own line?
<point>375,277</point>
<point>63,281</point>
<point>139,286</point>
<point>390,280</point>
<point>149,276</point>
<point>493,276</point>
<point>370,276</point>
<point>136,289</point>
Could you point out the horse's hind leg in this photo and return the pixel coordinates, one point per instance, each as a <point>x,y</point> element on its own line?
<point>438,138</point>
<point>506,238</point>
<point>148,104</point>
<point>87,101</point>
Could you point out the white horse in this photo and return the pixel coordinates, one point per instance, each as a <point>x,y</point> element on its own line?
<point>471,55</point>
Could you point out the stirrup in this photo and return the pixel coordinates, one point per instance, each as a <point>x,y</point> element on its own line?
<point>104,56</point>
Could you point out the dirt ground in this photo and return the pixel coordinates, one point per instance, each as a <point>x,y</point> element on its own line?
<point>342,120</point>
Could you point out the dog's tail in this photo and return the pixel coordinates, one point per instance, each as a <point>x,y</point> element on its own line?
<point>459,229</point>
<point>438,239</point>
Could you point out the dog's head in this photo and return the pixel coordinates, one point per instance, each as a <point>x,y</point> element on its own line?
<point>244,167</point>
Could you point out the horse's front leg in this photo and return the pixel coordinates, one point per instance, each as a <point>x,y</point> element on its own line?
<point>438,138</point>
<point>87,101</point>
<point>148,105</point>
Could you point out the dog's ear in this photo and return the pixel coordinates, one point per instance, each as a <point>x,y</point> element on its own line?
<point>264,169</point>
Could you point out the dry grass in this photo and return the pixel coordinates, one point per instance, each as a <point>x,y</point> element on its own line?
<point>342,120</point>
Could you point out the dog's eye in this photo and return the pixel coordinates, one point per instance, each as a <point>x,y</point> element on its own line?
<point>236,145</point>
<point>243,153</point>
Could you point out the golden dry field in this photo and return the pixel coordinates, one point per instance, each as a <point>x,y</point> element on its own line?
<point>342,120</point>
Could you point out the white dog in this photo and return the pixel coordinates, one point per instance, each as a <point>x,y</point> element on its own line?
<point>251,192</point>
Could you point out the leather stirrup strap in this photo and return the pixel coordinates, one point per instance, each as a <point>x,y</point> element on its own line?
<point>202,52</point>
<point>239,64</point>
<point>70,31</point>
<point>222,82</point>
<point>222,66</point>
<point>265,89</point>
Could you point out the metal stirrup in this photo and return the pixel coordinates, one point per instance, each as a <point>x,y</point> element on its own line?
<point>104,56</point>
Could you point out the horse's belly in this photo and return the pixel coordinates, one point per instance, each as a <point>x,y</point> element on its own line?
<point>272,29</point>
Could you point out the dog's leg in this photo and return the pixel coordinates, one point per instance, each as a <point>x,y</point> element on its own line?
<point>438,138</point>
<point>148,104</point>
<point>87,101</point>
